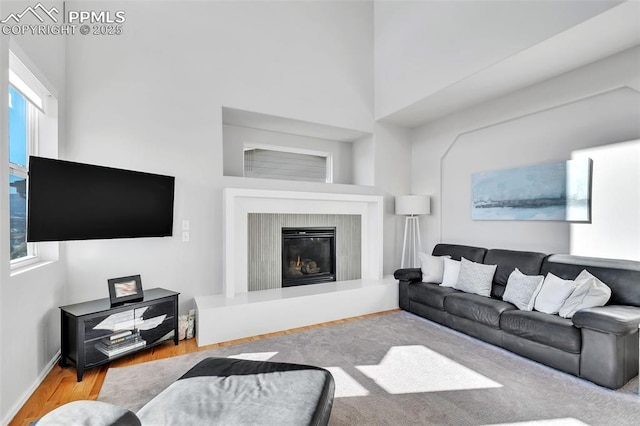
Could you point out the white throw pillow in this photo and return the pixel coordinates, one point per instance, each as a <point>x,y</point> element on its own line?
<point>432,267</point>
<point>589,292</point>
<point>554,292</point>
<point>475,278</point>
<point>451,272</point>
<point>522,289</point>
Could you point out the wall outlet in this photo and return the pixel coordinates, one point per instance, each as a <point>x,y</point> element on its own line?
<point>186,225</point>
<point>185,236</point>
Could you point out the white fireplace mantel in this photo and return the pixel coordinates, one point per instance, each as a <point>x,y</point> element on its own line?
<point>238,203</point>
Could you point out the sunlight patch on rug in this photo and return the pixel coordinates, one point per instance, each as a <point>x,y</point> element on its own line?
<point>416,369</point>
<point>255,356</point>
<point>345,384</point>
<point>569,421</point>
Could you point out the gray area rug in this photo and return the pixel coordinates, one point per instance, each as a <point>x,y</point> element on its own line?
<point>399,369</point>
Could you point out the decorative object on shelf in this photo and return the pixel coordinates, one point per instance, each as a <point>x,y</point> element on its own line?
<point>125,289</point>
<point>183,325</point>
<point>554,191</point>
<point>191,323</point>
<point>186,325</point>
<point>412,206</point>
<point>112,348</point>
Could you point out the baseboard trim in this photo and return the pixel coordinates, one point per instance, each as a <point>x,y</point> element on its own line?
<point>27,394</point>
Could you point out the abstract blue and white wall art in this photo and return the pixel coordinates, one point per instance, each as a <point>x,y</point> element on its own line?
<point>554,191</point>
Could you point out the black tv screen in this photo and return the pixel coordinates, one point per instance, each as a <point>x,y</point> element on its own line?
<point>74,201</point>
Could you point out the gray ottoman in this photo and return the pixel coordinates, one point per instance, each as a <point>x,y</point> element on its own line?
<point>240,392</point>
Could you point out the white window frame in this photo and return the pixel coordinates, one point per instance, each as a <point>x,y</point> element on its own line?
<point>34,91</point>
<point>292,150</point>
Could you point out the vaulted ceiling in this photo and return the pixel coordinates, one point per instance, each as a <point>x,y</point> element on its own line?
<point>433,58</point>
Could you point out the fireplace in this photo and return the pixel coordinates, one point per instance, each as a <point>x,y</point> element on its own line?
<point>308,256</point>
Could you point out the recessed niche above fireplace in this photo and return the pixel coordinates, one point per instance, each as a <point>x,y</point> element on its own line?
<point>244,131</point>
<point>308,256</point>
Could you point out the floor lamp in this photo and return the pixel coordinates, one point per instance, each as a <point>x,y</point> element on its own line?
<point>412,206</point>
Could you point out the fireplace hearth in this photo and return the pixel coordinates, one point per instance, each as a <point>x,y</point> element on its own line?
<point>308,255</point>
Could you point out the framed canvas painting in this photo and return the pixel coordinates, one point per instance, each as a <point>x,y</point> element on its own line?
<point>554,191</point>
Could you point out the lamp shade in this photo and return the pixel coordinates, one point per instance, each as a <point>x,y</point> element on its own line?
<point>413,205</point>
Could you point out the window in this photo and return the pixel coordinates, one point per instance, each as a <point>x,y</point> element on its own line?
<point>25,108</point>
<point>287,163</point>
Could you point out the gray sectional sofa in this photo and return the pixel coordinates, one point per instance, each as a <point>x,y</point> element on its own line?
<point>599,344</point>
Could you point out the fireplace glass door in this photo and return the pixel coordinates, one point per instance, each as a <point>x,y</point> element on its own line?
<point>308,256</point>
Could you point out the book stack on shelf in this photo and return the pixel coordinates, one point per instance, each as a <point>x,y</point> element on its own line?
<point>120,343</point>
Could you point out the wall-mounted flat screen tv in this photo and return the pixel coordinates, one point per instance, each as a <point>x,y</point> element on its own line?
<point>75,201</point>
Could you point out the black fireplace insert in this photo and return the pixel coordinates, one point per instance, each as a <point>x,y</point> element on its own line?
<point>308,256</point>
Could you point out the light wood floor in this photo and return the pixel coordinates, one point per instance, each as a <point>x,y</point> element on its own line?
<point>60,386</point>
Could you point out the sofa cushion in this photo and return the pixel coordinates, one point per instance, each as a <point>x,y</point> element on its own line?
<point>528,262</point>
<point>476,308</point>
<point>429,294</point>
<point>550,330</point>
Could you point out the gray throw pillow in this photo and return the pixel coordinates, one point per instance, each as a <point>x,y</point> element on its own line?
<point>522,289</point>
<point>475,277</point>
<point>432,267</point>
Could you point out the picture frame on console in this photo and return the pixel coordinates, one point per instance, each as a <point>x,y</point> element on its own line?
<point>125,289</point>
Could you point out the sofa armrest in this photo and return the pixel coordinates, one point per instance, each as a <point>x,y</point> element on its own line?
<point>614,319</point>
<point>406,277</point>
<point>408,274</point>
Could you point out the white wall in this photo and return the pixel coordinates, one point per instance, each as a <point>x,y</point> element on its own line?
<point>614,230</point>
<point>594,105</point>
<point>29,300</point>
<point>151,100</point>
<point>235,138</point>
<point>393,177</point>
<point>364,161</point>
